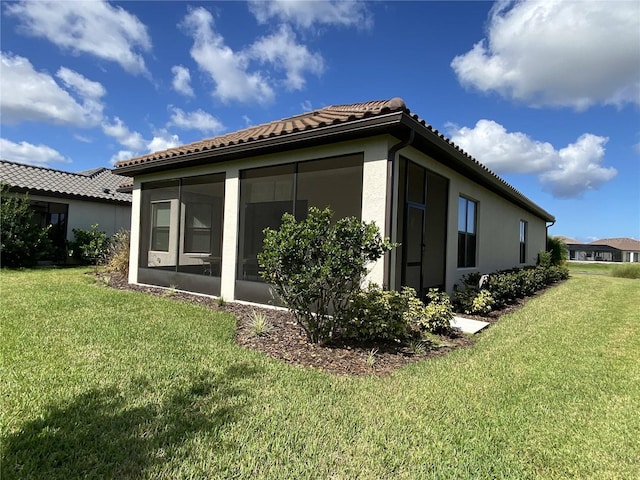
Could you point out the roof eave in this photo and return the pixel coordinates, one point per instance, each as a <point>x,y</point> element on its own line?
<point>441,150</point>
<point>63,195</point>
<point>306,138</point>
<point>427,141</point>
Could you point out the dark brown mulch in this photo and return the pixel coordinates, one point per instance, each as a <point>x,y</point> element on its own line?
<point>286,340</point>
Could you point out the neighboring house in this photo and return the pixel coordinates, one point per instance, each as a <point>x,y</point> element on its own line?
<point>67,200</point>
<point>606,250</point>
<point>199,210</point>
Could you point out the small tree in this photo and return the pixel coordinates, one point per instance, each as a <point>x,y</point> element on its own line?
<point>23,242</point>
<point>558,249</point>
<point>316,267</point>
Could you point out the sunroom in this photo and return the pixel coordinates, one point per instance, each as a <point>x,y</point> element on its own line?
<point>199,210</point>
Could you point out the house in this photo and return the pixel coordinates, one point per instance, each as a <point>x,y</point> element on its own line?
<point>67,200</point>
<point>605,250</point>
<point>199,210</point>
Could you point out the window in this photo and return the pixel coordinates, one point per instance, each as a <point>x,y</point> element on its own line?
<point>54,216</point>
<point>161,221</point>
<point>197,229</point>
<point>523,241</point>
<point>266,193</point>
<point>181,233</point>
<point>467,210</point>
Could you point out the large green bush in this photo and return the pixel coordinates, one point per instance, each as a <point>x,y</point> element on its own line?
<point>316,267</point>
<point>22,242</point>
<point>91,246</point>
<point>558,250</point>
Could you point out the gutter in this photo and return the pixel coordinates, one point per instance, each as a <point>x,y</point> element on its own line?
<point>546,239</point>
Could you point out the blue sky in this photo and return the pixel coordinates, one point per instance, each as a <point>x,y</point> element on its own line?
<point>546,94</point>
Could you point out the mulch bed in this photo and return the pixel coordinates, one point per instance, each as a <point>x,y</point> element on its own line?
<point>287,342</point>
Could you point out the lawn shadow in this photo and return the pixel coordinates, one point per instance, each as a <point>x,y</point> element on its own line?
<point>102,434</point>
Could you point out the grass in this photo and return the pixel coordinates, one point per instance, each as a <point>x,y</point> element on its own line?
<point>621,270</point>
<point>98,383</point>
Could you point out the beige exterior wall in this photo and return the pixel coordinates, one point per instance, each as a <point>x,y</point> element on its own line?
<point>373,198</point>
<point>498,225</point>
<point>110,217</point>
<point>498,219</point>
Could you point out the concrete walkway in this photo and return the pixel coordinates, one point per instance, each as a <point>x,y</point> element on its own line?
<point>467,325</point>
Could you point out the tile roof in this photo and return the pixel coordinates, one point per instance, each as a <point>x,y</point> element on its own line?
<point>98,184</point>
<point>626,244</point>
<point>380,114</point>
<point>568,240</point>
<point>323,117</point>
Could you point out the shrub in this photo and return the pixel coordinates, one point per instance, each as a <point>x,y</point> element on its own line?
<point>544,259</point>
<point>375,314</point>
<point>504,287</point>
<point>91,246</point>
<point>626,271</point>
<point>462,298</point>
<point>260,324</point>
<point>22,242</point>
<point>482,303</point>
<point>437,314</point>
<point>558,250</point>
<point>118,255</point>
<point>316,267</point>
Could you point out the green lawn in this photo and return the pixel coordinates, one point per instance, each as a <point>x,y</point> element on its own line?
<point>98,383</point>
<point>628,270</point>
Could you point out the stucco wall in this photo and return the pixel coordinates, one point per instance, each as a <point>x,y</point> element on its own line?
<point>373,198</point>
<point>82,214</point>
<point>498,219</point>
<point>498,225</point>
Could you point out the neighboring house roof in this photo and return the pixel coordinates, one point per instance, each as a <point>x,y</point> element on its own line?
<point>625,244</point>
<point>98,184</point>
<point>568,240</point>
<point>331,124</point>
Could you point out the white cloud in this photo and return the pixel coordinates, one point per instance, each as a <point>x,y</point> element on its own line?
<point>23,152</point>
<point>163,140</point>
<point>197,120</point>
<point>559,53</point>
<point>228,69</point>
<point>96,28</point>
<point>82,138</point>
<point>124,136</point>
<point>91,92</point>
<point>579,168</point>
<point>306,106</point>
<point>282,51</point>
<point>122,155</point>
<point>135,143</point>
<point>182,80</point>
<point>566,173</point>
<point>28,95</point>
<point>306,14</point>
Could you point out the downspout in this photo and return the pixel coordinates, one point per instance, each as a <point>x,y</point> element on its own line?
<point>546,238</point>
<point>391,172</point>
